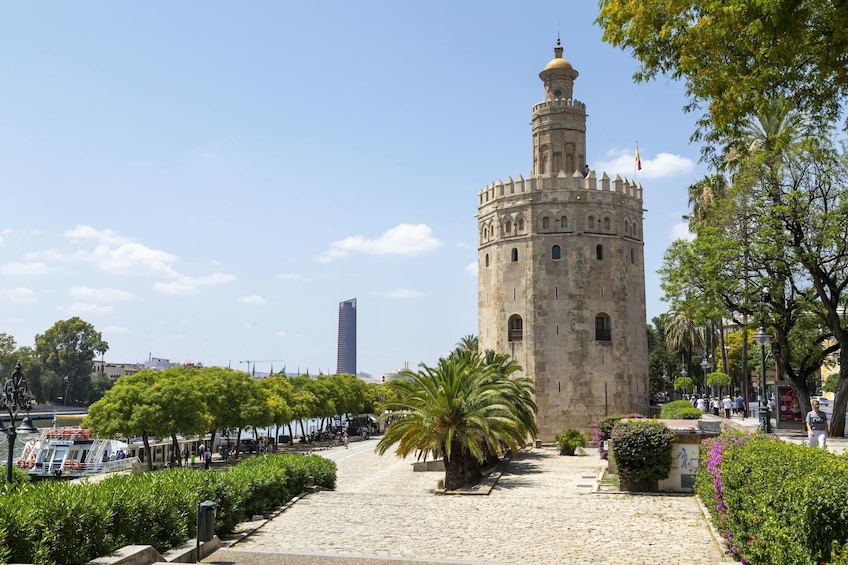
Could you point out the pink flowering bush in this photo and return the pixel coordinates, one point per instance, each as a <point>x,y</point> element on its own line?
<point>603,431</point>
<point>775,502</point>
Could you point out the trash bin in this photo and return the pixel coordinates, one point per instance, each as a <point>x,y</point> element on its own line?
<point>205,520</point>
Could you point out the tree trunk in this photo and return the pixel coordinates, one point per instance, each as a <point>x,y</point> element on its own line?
<point>147,450</point>
<point>462,469</point>
<point>238,442</point>
<point>175,445</point>
<point>291,435</point>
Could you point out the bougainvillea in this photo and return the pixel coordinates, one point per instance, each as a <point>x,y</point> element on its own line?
<point>603,430</point>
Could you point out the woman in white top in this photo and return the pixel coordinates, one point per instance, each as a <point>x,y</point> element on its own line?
<point>817,428</point>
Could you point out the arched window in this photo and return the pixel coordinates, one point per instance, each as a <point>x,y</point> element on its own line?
<point>508,227</point>
<point>556,252</point>
<point>487,259</point>
<point>514,254</point>
<point>521,224</point>
<point>607,223</point>
<point>603,330</point>
<point>563,222</point>
<point>546,223</point>
<point>492,232</point>
<point>515,327</point>
<point>626,226</point>
<point>599,251</point>
<point>633,256</point>
<point>590,222</point>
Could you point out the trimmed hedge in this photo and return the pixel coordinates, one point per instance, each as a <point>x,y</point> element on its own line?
<point>642,450</point>
<point>776,502</point>
<point>60,522</point>
<point>679,410</point>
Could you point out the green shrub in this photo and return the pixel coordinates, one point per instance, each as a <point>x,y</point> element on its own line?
<point>59,522</point>
<point>569,441</point>
<point>19,475</point>
<point>642,450</point>
<point>603,430</point>
<point>775,502</point>
<point>679,410</point>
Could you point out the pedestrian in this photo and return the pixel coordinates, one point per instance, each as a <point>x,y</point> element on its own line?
<point>716,404</point>
<point>817,427</point>
<point>192,458</point>
<point>345,440</point>
<point>728,405</point>
<point>740,406</point>
<point>701,404</point>
<point>207,458</point>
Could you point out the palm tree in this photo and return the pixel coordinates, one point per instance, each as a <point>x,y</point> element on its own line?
<point>682,335</point>
<point>463,410</point>
<point>702,195</point>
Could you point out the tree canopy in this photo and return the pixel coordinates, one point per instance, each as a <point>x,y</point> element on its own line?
<point>731,54</point>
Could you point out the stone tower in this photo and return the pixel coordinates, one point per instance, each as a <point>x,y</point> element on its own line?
<point>561,271</point>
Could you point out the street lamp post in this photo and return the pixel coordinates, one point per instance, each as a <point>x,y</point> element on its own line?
<point>13,397</point>
<point>763,338</point>
<point>704,366</point>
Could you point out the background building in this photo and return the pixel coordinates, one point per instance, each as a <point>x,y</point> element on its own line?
<point>561,271</point>
<point>346,360</point>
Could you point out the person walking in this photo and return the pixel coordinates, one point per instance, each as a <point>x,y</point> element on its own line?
<point>727,403</point>
<point>345,440</point>
<point>207,458</point>
<point>817,427</point>
<point>740,406</point>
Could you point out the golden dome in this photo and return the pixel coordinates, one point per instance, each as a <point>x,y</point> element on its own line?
<point>558,63</point>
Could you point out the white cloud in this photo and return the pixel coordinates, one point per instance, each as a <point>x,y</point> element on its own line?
<point>100,294</point>
<point>623,162</point>
<point>190,285</point>
<point>281,334</point>
<point>681,231</point>
<point>404,239</point>
<point>114,330</point>
<point>85,308</point>
<point>290,276</point>
<point>472,268</point>
<point>32,268</point>
<point>20,295</point>
<point>252,299</point>
<point>404,293</point>
<point>112,253</point>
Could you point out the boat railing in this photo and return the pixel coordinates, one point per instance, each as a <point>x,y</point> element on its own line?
<point>110,466</point>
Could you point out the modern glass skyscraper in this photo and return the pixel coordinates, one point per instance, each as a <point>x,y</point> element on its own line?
<point>346,362</point>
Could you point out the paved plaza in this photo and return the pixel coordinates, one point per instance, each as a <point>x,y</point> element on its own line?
<point>545,509</point>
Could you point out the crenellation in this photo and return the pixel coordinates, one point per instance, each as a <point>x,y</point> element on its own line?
<point>562,182</point>
<point>605,182</point>
<point>591,181</point>
<point>559,103</point>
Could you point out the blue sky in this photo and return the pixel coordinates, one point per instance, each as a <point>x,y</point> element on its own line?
<point>206,181</point>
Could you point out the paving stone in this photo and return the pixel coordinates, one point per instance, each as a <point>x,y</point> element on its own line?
<point>538,513</point>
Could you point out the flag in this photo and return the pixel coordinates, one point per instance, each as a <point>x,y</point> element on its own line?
<point>638,160</point>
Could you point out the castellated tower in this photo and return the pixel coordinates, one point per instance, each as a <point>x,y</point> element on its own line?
<point>561,272</point>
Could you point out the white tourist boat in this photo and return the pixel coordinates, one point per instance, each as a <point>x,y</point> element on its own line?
<point>70,451</point>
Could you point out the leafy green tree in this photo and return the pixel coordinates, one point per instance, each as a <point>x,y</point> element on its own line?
<point>685,384</point>
<point>280,393</point>
<point>7,357</point>
<point>462,409</point>
<point>831,383</point>
<point>129,409</point>
<point>718,379</point>
<point>732,54</point>
<point>68,349</point>
<point>178,395</point>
